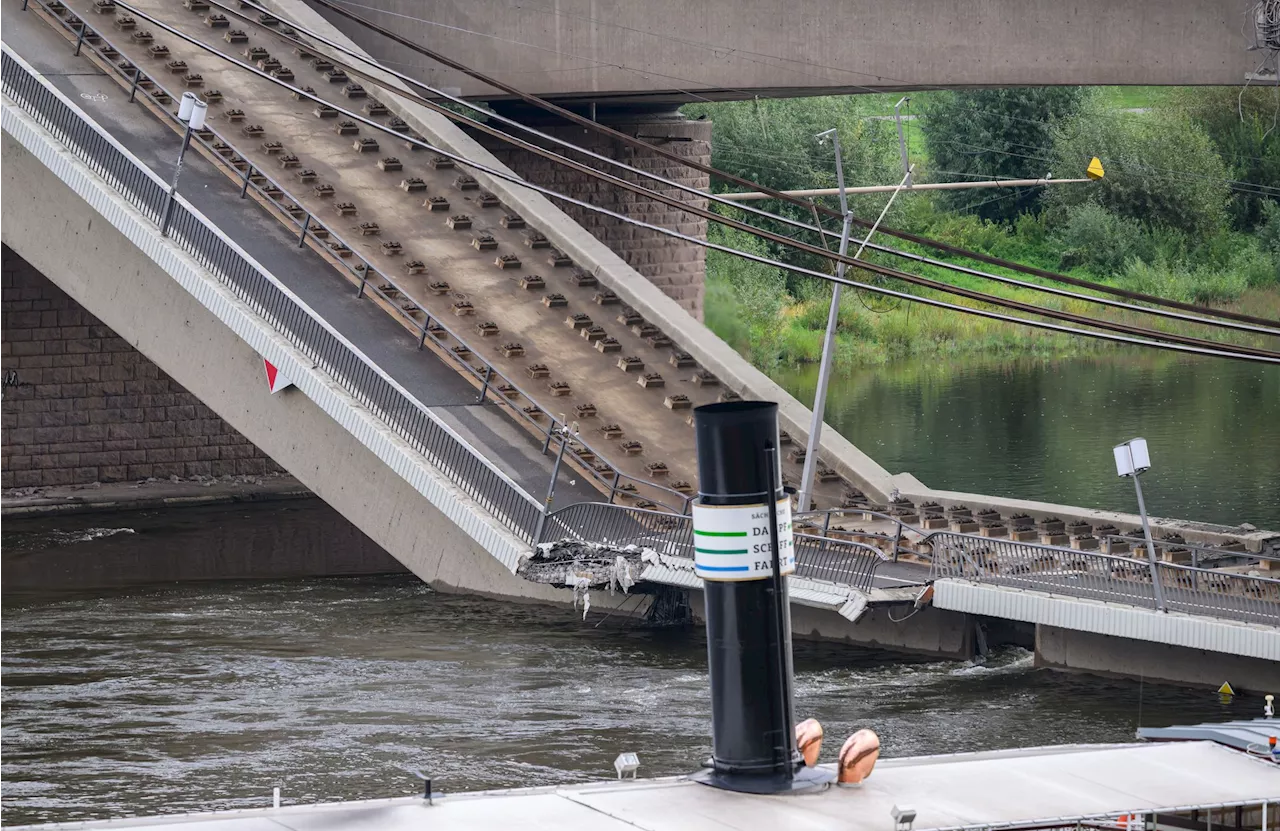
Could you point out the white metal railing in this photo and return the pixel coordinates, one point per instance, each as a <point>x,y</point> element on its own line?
<point>465,466</point>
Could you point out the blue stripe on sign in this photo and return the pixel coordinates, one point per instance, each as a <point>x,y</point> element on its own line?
<point>724,568</point>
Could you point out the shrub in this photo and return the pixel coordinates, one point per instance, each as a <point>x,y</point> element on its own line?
<point>1242,126</point>
<point>745,299</point>
<point>1095,238</point>
<point>986,133</point>
<point>1269,229</point>
<point>1162,169</point>
<point>1201,285</point>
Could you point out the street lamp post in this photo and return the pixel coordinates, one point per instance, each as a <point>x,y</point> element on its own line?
<point>191,112</point>
<point>1132,459</point>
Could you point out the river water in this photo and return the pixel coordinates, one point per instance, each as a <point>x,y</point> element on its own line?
<point>205,696</point>
<point>1044,429</point>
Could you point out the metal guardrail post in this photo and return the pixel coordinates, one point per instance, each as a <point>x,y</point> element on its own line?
<point>133,87</point>
<point>426,326</point>
<point>364,280</point>
<point>244,186</point>
<point>80,38</point>
<point>306,224</point>
<point>484,389</point>
<point>613,490</point>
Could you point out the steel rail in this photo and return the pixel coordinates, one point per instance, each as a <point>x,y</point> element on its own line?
<point>1205,346</point>
<point>287,314</point>
<point>817,558</point>
<point>746,183</point>
<point>717,198</point>
<point>311,228</point>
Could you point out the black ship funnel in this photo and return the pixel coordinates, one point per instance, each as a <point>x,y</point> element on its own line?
<point>743,552</point>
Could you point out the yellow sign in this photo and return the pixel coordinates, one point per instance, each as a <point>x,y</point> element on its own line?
<point>1095,171</point>
<point>1226,689</point>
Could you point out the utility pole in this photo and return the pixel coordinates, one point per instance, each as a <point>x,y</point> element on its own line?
<point>828,341</point>
<point>902,141</point>
<point>833,314</point>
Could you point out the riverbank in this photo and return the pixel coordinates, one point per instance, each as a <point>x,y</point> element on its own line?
<point>1187,211</point>
<point>872,332</point>
<point>780,324</point>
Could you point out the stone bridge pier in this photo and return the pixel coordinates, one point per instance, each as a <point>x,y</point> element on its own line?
<point>675,266</point>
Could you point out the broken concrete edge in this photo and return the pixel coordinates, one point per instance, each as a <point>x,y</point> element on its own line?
<point>135,496</point>
<point>712,353</point>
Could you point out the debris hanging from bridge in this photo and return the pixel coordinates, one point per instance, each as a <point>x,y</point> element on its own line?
<point>583,566</point>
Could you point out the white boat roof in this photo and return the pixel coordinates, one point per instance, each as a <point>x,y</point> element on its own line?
<point>988,790</point>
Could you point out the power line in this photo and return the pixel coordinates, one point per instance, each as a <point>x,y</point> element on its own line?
<point>726,52</point>
<point>973,295</point>
<point>924,282</point>
<point>809,205</point>
<point>1245,187</point>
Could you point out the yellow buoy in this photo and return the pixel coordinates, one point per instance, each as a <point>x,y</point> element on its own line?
<point>1095,171</point>
<point>1226,689</point>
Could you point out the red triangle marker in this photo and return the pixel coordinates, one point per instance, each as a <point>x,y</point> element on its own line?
<point>276,379</point>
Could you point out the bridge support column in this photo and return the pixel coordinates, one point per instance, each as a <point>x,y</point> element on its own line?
<point>676,267</point>
<point>81,405</point>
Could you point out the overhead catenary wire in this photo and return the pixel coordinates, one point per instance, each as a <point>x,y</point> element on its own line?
<point>1166,340</point>
<point>727,50</point>
<point>711,216</point>
<point>711,171</point>
<point>1241,187</point>
<point>773,237</point>
<point>924,282</point>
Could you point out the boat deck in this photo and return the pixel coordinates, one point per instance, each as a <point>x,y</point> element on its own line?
<point>990,790</point>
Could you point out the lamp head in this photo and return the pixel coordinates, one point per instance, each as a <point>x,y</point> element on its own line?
<point>186,106</point>
<point>1132,457</point>
<point>198,113</point>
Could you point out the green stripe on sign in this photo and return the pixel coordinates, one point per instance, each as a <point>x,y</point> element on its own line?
<point>715,551</point>
<point>720,533</point>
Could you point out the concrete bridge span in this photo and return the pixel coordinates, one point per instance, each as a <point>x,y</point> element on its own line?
<point>660,53</point>
<point>353,430</point>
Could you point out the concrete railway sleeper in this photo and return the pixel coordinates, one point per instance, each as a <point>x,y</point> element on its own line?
<point>473,474</point>
<point>711,216</point>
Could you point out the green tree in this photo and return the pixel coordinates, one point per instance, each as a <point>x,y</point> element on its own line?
<point>772,142</point>
<point>1162,169</point>
<point>1242,124</point>
<point>994,133</point>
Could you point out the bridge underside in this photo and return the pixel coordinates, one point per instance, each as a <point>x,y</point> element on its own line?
<point>660,53</point>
